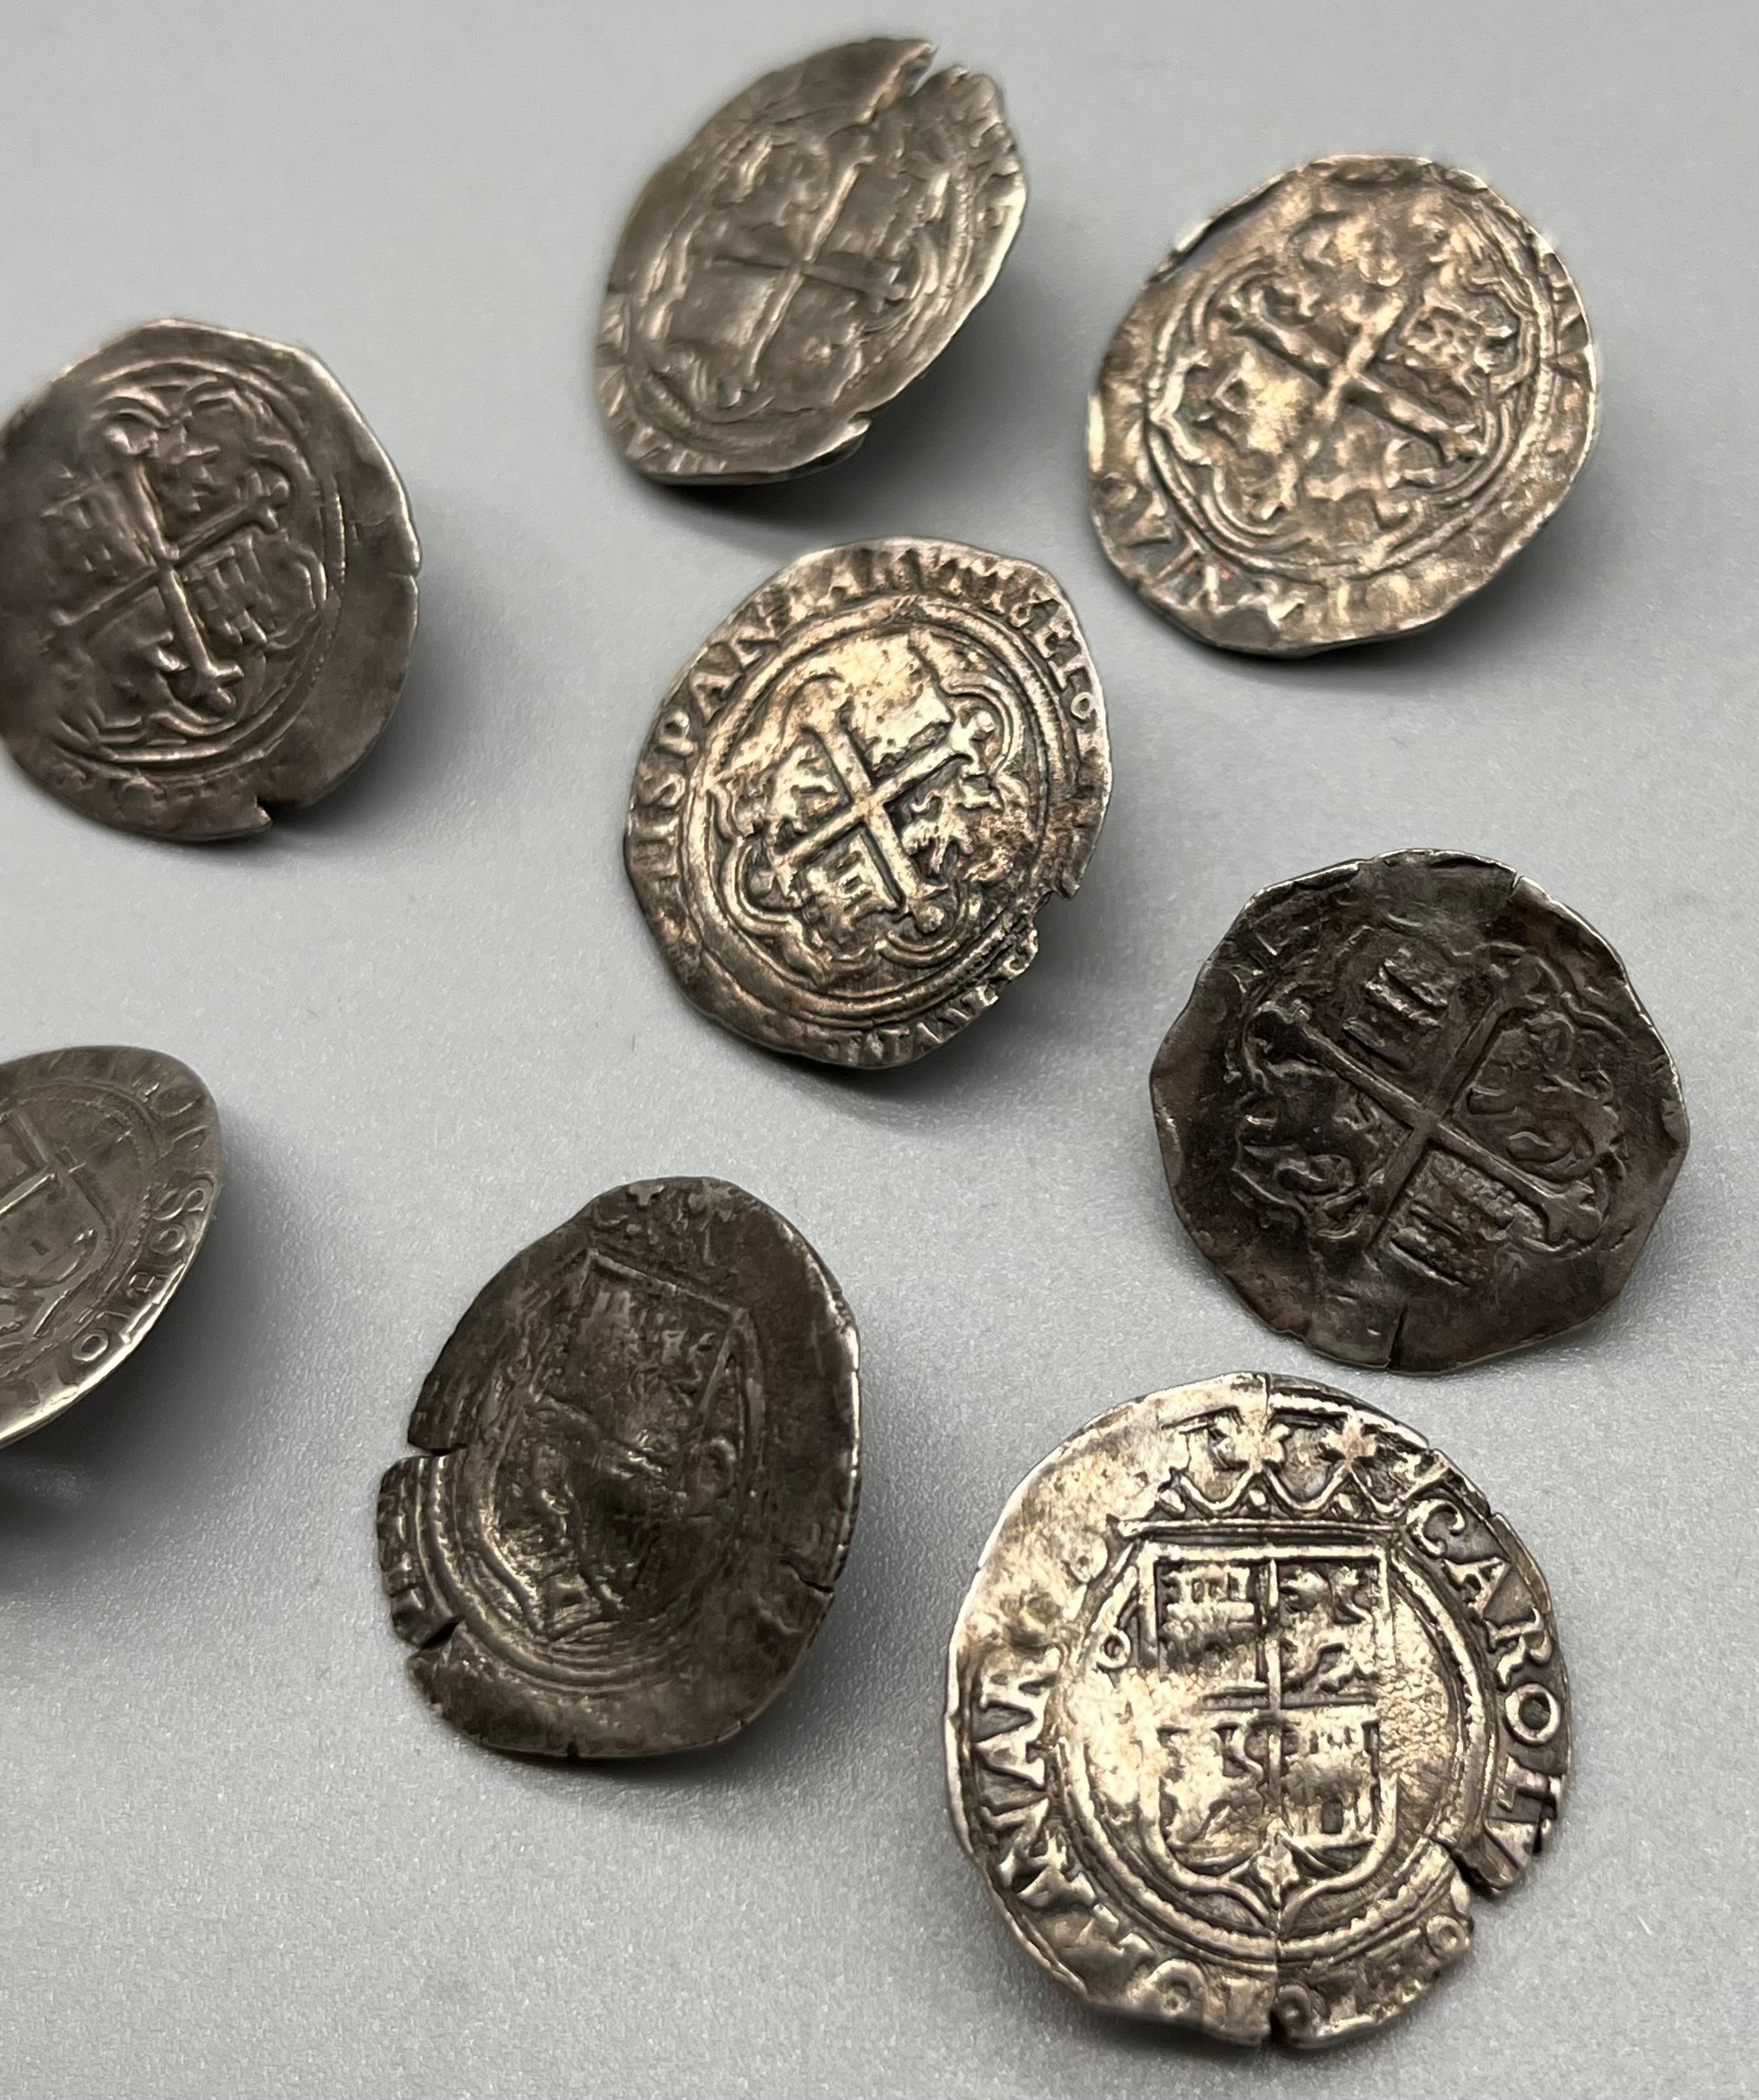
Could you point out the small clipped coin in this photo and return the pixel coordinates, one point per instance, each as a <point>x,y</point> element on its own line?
<point>1251,1684</point>
<point>636,1482</point>
<point>109,1169</point>
<point>814,248</point>
<point>860,790</point>
<point>207,583</point>
<point>1339,407</point>
<point>1415,1113</point>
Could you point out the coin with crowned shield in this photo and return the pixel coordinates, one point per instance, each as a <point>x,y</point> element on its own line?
<point>109,1169</point>
<point>859,792</point>
<point>207,583</point>
<point>1415,1113</point>
<point>1338,407</point>
<point>814,248</point>
<point>1251,1688</point>
<point>636,1479</point>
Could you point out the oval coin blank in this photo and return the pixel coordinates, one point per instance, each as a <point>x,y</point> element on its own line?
<point>207,583</point>
<point>1415,1113</point>
<point>1251,1684</point>
<point>859,792</point>
<point>814,248</point>
<point>109,1169</point>
<point>1339,407</point>
<point>638,1479</point>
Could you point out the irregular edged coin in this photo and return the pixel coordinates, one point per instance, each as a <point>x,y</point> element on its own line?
<point>814,248</point>
<point>859,792</point>
<point>207,583</point>
<point>638,1484</point>
<point>1250,1683</point>
<point>109,1168</point>
<point>1338,407</point>
<point>1415,1113</point>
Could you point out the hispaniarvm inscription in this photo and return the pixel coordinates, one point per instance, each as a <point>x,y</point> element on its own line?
<point>1339,407</point>
<point>1415,1113</point>
<point>1251,1686</point>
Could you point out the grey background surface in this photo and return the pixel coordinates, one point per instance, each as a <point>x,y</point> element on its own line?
<point>239,1855</point>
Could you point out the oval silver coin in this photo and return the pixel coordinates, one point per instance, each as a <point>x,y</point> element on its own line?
<point>638,1484</point>
<point>1339,407</point>
<point>858,793</point>
<point>207,583</point>
<point>814,248</point>
<point>1251,1687</point>
<point>110,1170</point>
<point>1415,1113</point>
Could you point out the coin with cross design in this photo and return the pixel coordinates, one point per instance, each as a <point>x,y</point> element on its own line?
<point>207,583</point>
<point>1252,1686</point>
<point>1415,1113</point>
<point>814,248</point>
<point>1338,407</point>
<point>859,792</point>
<point>109,1168</point>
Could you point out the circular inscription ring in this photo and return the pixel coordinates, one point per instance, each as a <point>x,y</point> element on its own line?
<point>857,796</point>
<point>1250,1683</point>
<point>1339,407</point>
<point>207,583</point>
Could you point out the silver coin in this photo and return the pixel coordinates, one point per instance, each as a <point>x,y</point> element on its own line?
<point>207,583</point>
<point>109,1169</point>
<point>860,790</point>
<point>1251,1685</point>
<point>1339,407</point>
<point>814,248</point>
<point>638,1479</point>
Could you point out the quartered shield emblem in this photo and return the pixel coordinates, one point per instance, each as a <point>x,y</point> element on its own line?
<point>52,1235</point>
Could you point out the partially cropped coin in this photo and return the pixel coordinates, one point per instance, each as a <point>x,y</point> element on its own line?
<point>859,792</point>
<point>207,583</point>
<point>1337,408</point>
<point>1415,1113</point>
<point>638,1479</point>
<point>109,1167</point>
<point>1251,1685</point>
<point>814,248</point>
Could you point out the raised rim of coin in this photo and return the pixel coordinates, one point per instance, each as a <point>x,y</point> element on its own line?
<point>109,1170</point>
<point>988,653</point>
<point>703,414</point>
<point>1213,568</point>
<point>1397,1725</point>
<point>228,481</point>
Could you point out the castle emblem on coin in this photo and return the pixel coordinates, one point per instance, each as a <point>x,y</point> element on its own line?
<point>1339,407</point>
<point>1415,1113</point>
<point>109,1167</point>
<point>1250,1683</point>
<point>207,588</point>
<point>813,250</point>
<point>638,1479</point>
<point>858,793</point>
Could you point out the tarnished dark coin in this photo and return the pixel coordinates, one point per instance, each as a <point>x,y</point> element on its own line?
<point>109,1167</point>
<point>207,583</point>
<point>859,792</point>
<point>1337,408</point>
<point>638,1479</point>
<point>1415,1113</point>
<point>814,248</point>
<point>1250,1683</point>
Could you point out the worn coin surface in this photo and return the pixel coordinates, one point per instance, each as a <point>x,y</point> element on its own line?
<point>1251,1684</point>
<point>109,1167</point>
<point>814,248</point>
<point>638,1479</point>
<point>207,583</point>
<point>860,790</point>
<point>1415,1113</point>
<point>1338,407</point>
